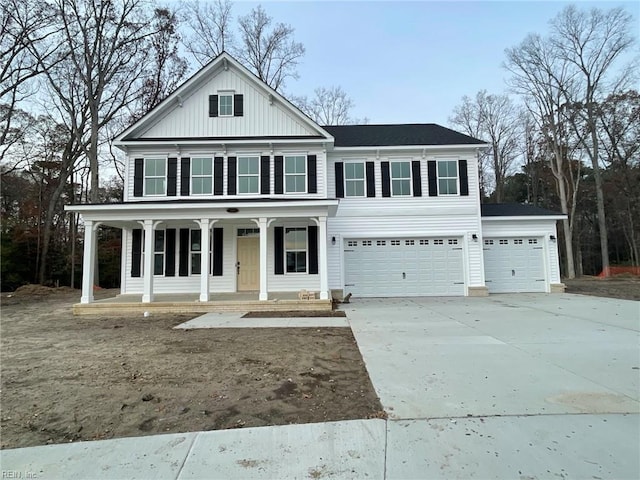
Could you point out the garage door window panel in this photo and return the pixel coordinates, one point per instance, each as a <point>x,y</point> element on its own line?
<point>448,177</point>
<point>354,179</point>
<point>400,179</point>
<point>296,246</point>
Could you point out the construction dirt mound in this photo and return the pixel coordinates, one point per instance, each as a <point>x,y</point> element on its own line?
<point>40,290</point>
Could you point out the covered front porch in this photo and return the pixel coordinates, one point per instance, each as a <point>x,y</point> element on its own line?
<point>132,304</point>
<point>190,256</point>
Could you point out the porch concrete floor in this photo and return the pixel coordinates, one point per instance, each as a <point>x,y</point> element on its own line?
<point>190,303</point>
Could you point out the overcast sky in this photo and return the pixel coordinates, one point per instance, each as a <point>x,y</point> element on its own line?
<point>410,62</point>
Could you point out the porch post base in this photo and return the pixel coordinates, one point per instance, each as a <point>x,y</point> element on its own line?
<point>263,297</point>
<point>324,295</point>
<point>204,297</point>
<point>147,298</point>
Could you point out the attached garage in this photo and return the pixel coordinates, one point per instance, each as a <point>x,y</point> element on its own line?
<point>404,267</point>
<point>514,264</point>
<point>520,248</point>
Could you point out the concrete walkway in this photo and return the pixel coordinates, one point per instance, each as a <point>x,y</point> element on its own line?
<point>509,386</point>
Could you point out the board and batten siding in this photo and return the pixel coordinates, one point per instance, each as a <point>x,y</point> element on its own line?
<point>260,118</point>
<point>321,171</point>
<point>524,228</point>
<point>288,282</point>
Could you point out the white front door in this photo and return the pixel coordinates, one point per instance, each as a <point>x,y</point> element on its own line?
<point>400,267</point>
<point>514,265</point>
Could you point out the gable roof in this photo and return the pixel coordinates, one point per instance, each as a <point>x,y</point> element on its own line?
<point>223,61</point>
<point>398,134</point>
<point>515,210</point>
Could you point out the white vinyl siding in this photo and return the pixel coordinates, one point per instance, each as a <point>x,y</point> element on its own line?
<point>201,176</point>
<point>155,176</point>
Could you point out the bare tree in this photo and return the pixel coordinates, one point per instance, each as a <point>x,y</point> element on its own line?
<point>22,23</point>
<point>591,43</point>
<point>271,53</point>
<point>493,118</point>
<point>209,31</point>
<point>329,106</point>
<point>542,78</point>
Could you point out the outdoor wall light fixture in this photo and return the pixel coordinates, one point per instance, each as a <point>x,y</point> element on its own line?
<point>333,240</point>
<point>232,210</point>
<point>552,238</point>
<point>475,237</point>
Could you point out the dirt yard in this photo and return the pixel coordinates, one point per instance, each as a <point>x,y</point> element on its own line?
<point>68,378</point>
<point>626,287</point>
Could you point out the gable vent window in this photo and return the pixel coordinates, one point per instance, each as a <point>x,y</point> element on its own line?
<point>225,105</point>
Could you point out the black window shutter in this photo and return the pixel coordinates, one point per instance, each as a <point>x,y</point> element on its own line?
<point>138,172</point>
<point>213,105</point>
<point>231,176</point>
<point>371,179</point>
<point>136,251</point>
<point>278,165</point>
<point>386,180</point>
<point>172,176</point>
<point>170,254</point>
<point>185,176</point>
<point>238,105</point>
<point>265,165</point>
<point>217,252</point>
<point>417,179</point>
<point>464,178</point>
<point>312,234</point>
<point>218,175</point>
<point>278,254</point>
<point>339,180</point>
<point>433,178</point>
<point>312,174</point>
<point>183,265</point>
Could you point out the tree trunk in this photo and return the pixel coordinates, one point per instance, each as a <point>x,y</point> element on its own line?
<point>602,221</point>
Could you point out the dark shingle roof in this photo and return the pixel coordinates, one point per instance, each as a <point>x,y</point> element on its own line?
<point>514,210</point>
<point>403,134</point>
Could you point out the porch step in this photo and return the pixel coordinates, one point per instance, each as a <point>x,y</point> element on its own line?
<point>138,308</point>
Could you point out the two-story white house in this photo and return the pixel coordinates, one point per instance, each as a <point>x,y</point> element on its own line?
<point>230,188</point>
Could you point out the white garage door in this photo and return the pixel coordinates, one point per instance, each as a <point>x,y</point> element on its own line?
<point>514,265</point>
<point>404,267</point>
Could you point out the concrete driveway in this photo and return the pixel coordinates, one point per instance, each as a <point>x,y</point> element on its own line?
<point>508,386</point>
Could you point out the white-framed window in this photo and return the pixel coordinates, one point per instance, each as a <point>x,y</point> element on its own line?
<point>155,176</point>
<point>225,104</point>
<point>447,177</point>
<point>249,174</point>
<point>354,179</point>
<point>158,252</point>
<point>400,178</point>
<point>195,251</point>
<point>295,174</point>
<point>295,246</point>
<point>201,176</point>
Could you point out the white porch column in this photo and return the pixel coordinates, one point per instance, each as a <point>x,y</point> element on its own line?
<point>205,229</point>
<point>147,295</point>
<point>323,268</point>
<point>264,228</point>
<point>88,261</point>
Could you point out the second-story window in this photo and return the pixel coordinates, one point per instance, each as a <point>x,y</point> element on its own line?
<point>400,178</point>
<point>295,174</point>
<point>354,179</point>
<point>225,104</point>
<point>448,177</point>
<point>248,174</point>
<point>201,176</point>
<point>155,176</point>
